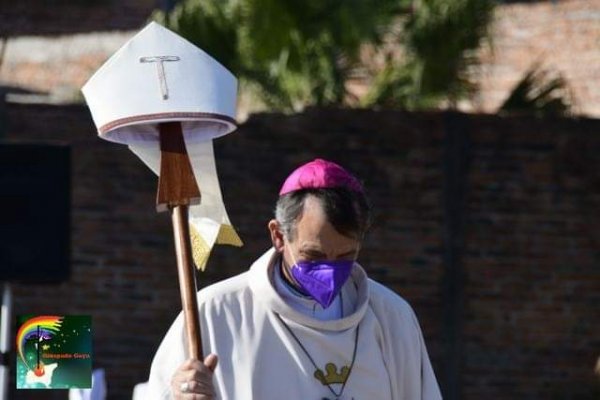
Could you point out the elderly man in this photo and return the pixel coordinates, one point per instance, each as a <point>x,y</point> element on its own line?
<point>304,322</point>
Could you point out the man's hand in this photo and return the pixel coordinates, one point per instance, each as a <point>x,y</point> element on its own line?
<point>193,380</point>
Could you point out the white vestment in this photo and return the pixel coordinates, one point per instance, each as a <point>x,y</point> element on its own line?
<point>260,359</point>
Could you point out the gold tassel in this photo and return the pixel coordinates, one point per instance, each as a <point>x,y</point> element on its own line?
<point>201,250</point>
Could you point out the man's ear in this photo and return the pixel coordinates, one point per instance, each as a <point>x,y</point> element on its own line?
<point>276,235</point>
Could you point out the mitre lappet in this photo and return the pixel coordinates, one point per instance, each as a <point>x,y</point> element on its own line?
<point>158,77</point>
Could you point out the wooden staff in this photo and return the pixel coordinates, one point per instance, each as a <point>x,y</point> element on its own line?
<point>177,190</point>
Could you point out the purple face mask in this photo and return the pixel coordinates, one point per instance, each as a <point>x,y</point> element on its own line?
<point>322,280</point>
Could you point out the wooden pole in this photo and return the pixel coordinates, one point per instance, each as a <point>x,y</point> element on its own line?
<point>187,281</point>
<point>177,189</point>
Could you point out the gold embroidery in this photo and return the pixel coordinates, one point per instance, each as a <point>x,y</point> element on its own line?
<point>332,376</point>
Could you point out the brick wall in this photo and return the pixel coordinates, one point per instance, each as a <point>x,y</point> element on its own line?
<point>563,35</point>
<point>530,283</point>
<point>531,256</point>
<point>60,17</point>
<point>57,66</point>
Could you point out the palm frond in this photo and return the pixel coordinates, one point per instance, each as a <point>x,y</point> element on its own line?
<point>299,50</point>
<point>539,93</point>
<point>440,37</point>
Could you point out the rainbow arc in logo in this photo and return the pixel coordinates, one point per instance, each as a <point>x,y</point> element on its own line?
<point>37,327</point>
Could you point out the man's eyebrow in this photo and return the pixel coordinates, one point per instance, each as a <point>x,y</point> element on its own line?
<point>313,251</point>
<point>318,253</point>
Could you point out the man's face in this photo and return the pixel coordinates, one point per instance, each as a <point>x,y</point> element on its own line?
<point>315,238</point>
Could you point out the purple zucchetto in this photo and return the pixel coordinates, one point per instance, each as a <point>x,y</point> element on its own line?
<point>320,174</point>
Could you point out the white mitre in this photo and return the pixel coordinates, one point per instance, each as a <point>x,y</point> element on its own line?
<point>158,76</point>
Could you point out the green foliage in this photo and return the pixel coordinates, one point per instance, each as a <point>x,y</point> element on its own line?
<point>291,53</point>
<point>439,37</point>
<point>210,25</point>
<point>538,93</point>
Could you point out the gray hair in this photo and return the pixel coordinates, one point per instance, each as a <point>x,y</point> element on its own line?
<point>348,211</point>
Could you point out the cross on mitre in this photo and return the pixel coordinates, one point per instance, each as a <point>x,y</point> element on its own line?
<point>162,78</point>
